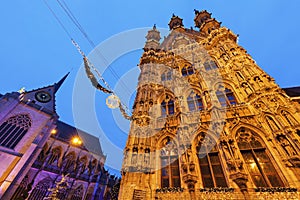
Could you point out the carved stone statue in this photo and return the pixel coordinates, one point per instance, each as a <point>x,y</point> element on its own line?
<point>287,146</point>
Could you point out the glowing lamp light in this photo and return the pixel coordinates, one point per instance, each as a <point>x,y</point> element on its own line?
<point>76,141</point>
<point>53,131</point>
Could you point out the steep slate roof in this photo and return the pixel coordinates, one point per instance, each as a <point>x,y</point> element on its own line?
<point>293,91</point>
<point>49,106</point>
<point>66,132</point>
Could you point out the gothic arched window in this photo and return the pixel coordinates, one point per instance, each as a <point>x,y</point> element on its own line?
<point>188,70</point>
<point>289,118</point>
<point>69,162</point>
<point>78,193</point>
<point>166,76</point>
<point>54,157</point>
<point>226,97</point>
<point>170,175</point>
<point>210,65</point>
<point>167,107</point>
<point>257,161</point>
<point>194,102</point>
<point>210,164</point>
<point>13,130</point>
<point>40,190</point>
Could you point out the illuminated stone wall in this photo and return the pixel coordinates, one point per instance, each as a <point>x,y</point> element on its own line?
<point>208,120</point>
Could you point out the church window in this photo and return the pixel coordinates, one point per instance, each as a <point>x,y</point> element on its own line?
<point>210,165</point>
<point>55,154</point>
<point>40,190</point>
<point>69,162</point>
<point>188,70</point>
<point>226,97</point>
<point>13,130</point>
<point>167,107</point>
<point>78,193</point>
<point>170,174</point>
<point>210,65</point>
<point>291,120</point>
<point>166,76</point>
<point>257,161</point>
<point>194,102</point>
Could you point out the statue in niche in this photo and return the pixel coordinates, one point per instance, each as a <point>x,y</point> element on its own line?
<point>239,76</point>
<point>247,88</point>
<point>147,159</point>
<point>125,158</point>
<point>288,117</point>
<point>286,146</point>
<point>226,151</point>
<point>272,124</point>
<point>134,159</point>
<point>234,151</point>
<point>207,98</point>
<point>258,81</point>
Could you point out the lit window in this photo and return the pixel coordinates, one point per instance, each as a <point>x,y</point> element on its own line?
<point>210,165</point>
<point>257,161</point>
<point>170,173</point>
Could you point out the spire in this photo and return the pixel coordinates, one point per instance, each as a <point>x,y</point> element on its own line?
<point>43,98</point>
<point>153,38</point>
<point>59,83</point>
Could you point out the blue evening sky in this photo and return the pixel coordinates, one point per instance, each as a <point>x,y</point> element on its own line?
<point>35,51</point>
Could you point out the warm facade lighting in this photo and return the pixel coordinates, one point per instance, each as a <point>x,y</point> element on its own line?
<point>76,141</point>
<point>53,131</point>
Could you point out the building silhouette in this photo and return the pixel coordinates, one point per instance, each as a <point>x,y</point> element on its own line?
<point>38,152</point>
<point>208,122</point>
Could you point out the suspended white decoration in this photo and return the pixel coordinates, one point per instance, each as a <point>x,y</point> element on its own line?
<point>112,101</point>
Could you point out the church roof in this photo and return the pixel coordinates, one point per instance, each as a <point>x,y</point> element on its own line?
<point>44,98</point>
<point>293,91</point>
<point>66,132</point>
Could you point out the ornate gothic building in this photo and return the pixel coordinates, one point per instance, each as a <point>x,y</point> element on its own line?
<point>208,122</point>
<point>43,157</point>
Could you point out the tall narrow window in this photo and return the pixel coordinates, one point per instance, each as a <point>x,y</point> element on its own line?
<point>226,97</point>
<point>184,71</point>
<point>78,193</point>
<point>194,102</point>
<point>257,161</point>
<point>210,165</point>
<point>170,175</point>
<point>167,107</point>
<point>41,189</point>
<point>188,70</point>
<point>55,154</point>
<point>13,130</point>
<point>166,76</point>
<point>210,65</point>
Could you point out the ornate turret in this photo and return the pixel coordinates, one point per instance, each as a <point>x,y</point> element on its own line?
<point>175,22</point>
<point>201,17</point>
<point>204,22</point>
<point>153,38</point>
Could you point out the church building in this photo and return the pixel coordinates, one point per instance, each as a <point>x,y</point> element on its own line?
<point>44,158</point>
<point>208,122</point>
